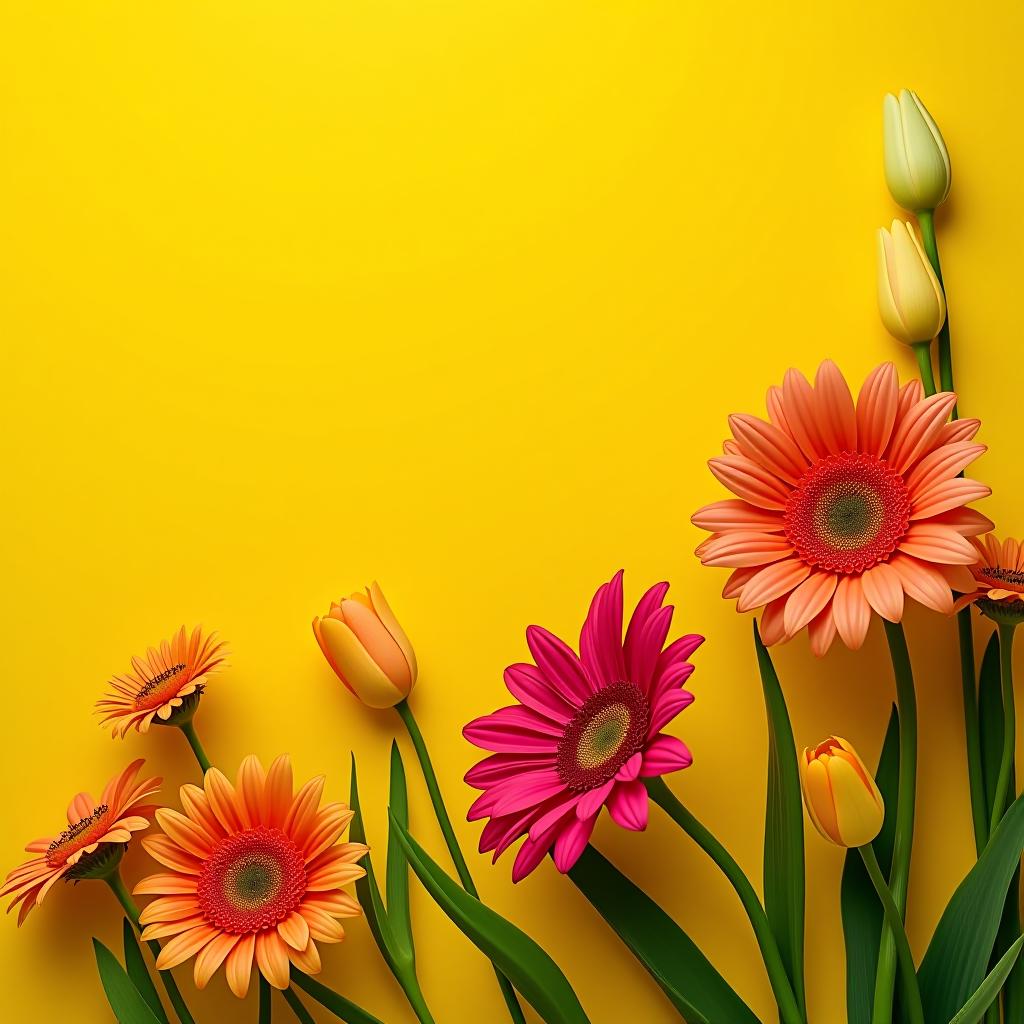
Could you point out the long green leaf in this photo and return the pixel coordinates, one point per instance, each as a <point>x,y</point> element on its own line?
<point>861,911</point>
<point>366,887</point>
<point>686,976</point>
<point>125,1000</point>
<point>958,955</point>
<point>397,881</point>
<point>342,1008</point>
<point>511,950</point>
<point>975,1007</point>
<point>139,973</point>
<point>784,828</point>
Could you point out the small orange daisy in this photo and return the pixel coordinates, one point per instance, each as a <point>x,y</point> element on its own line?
<point>999,579</point>
<point>91,846</point>
<point>165,685</point>
<point>255,874</point>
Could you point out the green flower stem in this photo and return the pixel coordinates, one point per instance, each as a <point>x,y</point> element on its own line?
<point>117,886</point>
<point>301,1013</point>
<point>441,812</point>
<point>189,729</point>
<point>926,221</point>
<point>906,701</point>
<point>789,1009</point>
<point>414,994</point>
<point>892,915</point>
<point>342,1008</point>
<point>265,1008</point>
<point>923,351</point>
<point>1006,631</point>
<point>972,729</point>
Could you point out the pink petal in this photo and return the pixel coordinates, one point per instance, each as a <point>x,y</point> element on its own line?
<point>554,813</point>
<point>628,805</point>
<point>571,842</point>
<point>491,732</point>
<point>530,687</point>
<point>497,767</point>
<point>668,706</point>
<point>530,854</point>
<point>529,790</point>
<point>601,636</point>
<point>665,754</point>
<point>631,769</point>
<point>642,656</point>
<point>559,663</point>
<point>592,801</point>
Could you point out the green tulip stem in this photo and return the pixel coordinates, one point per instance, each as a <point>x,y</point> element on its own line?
<point>189,729</point>
<point>301,1013</point>
<point>1006,631</point>
<point>926,221</point>
<point>117,886</point>
<point>265,1009</point>
<point>789,1009</point>
<point>452,842</point>
<point>892,915</point>
<point>923,351</point>
<point>972,729</point>
<point>906,701</point>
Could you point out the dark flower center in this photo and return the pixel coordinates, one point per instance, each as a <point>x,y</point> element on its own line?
<point>602,736</point>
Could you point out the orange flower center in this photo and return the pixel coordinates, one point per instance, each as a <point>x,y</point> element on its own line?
<point>252,880</point>
<point>602,736</point>
<point>160,688</point>
<point>84,832</point>
<point>847,513</point>
<point>1003,579</point>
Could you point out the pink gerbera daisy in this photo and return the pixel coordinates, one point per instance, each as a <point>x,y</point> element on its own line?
<point>586,730</point>
<point>841,509</point>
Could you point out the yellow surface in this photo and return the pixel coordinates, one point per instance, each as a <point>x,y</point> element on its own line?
<point>456,295</point>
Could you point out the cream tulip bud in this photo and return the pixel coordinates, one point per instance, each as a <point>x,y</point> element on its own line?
<point>916,161</point>
<point>910,298</point>
<point>840,795</point>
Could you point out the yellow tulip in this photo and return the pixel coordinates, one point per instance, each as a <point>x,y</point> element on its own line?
<point>841,797</point>
<point>367,648</point>
<point>916,161</point>
<point>910,298</point>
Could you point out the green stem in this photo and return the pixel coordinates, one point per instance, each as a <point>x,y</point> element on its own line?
<point>265,1007</point>
<point>414,994</point>
<point>189,729</point>
<point>903,841</point>
<point>926,221</point>
<point>892,915</point>
<point>972,728</point>
<point>1006,631</point>
<point>117,886</point>
<point>789,1009</point>
<point>923,351</point>
<point>303,1015</point>
<point>445,822</point>
<point>342,1008</point>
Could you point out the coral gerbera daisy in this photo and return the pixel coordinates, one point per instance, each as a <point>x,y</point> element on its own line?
<point>844,508</point>
<point>91,846</point>
<point>256,873</point>
<point>998,580</point>
<point>586,730</point>
<point>165,685</point>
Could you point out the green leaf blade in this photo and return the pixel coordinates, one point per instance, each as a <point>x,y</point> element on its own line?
<point>685,975</point>
<point>958,956</point>
<point>528,967</point>
<point>397,879</point>
<point>975,1007</point>
<point>125,1000</point>
<point>861,911</point>
<point>784,877</point>
<point>139,973</point>
<point>342,1008</point>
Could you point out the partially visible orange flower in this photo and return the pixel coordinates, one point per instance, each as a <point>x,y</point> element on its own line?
<point>91,846</point>
<point>166,683</point>
<point>998,578</point>
<point>256,873</point>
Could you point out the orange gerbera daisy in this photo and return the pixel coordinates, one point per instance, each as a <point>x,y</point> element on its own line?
<point>998,584</point>
<point>91,846</point>
<point>165,685</point>
<point>844,508</point>
<point>255,874</point>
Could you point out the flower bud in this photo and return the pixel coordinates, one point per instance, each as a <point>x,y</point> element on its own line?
<point>916,162</point>
<point>910,298</point>
<point>841,797</point>
<point>367,649</point>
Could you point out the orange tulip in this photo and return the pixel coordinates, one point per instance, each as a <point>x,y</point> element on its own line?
<point>367,648</point>
<point>841,797</point>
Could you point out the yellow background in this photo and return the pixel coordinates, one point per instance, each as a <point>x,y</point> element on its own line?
<point>455,295</point>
